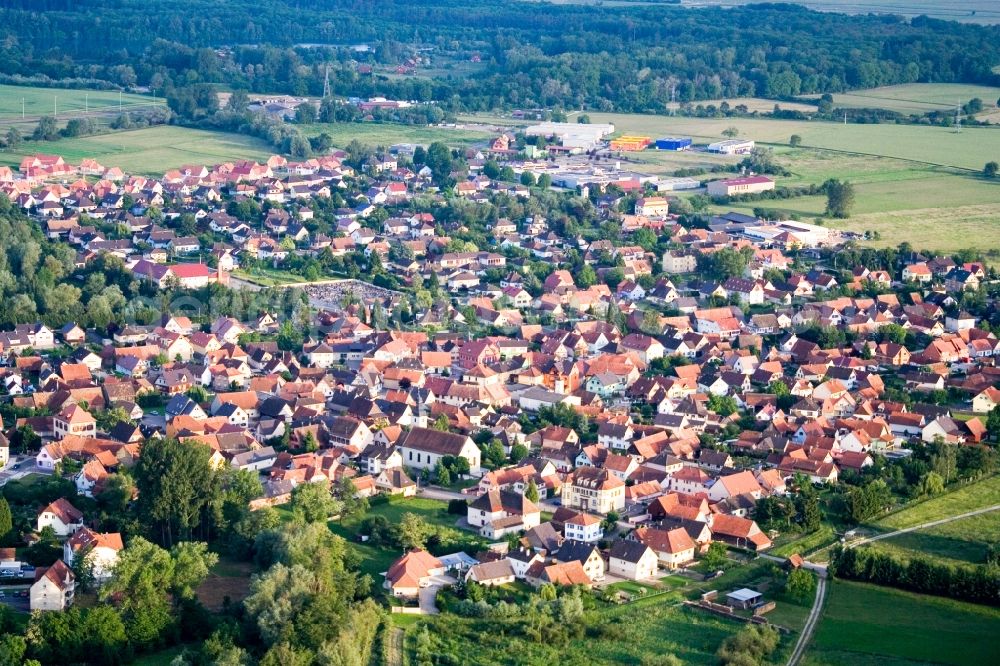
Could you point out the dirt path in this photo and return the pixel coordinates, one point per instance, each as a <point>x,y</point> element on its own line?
<point>932,523</point>
<point>394,655</point>
<point>807,630</point>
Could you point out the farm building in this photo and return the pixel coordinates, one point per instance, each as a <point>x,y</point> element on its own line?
<point>736,186</point>
<point>673,143</point>
<point>630,143</point>
<point>732,147</point>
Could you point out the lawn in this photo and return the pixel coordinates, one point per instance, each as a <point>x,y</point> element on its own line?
<point>968,498</point>
<point>161,658</point>
<point>864,624</point>
<point>377,559</point>
<point>267,277</point>
<point>804,543</point>
<point>959,542</point>
<point>152,150</point>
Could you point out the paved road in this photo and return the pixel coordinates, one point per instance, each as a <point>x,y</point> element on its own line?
<point>932,523</point>
<point>807,630</point>
<point>447,495</point>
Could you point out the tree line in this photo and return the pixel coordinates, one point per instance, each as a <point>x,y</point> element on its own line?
<point>624,58</point>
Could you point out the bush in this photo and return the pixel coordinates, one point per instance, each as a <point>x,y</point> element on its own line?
<point>750,645</point>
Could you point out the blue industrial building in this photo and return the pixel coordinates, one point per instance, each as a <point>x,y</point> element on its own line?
<point>673,143</point>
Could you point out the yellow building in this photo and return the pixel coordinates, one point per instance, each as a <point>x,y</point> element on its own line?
<point>630,143</point>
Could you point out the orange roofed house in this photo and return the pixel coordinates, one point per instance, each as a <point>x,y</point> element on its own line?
<point>411,572</point>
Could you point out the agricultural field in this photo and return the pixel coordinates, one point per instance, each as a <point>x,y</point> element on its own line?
<point>149,151</point>
<point>753,104</point>
<point>937,146</point>
<point>865,624</point>
<point>918,97</point>
<point>911,182</point>
<point>968,11</point>
<point>962,541</point>
<point>968,498</point>
<point>67,103</point>
<point>386,134</point>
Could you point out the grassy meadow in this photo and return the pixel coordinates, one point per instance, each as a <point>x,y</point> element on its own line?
<point>913,182</point>
<point>968,498</point>
<point>43,101</point>
<point>918,97</point>
<point>149,151</point>
<point>984,12</point>
<point>868,625</point>
<point>959,542</point>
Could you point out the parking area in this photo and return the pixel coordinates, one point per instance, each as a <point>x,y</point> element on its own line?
<point>20,467</point>
<point>15,598</point>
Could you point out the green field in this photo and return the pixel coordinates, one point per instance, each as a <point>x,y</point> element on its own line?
<point>912,182</point>
<point>386,134</point>
<point>627,635</point>
<point>918,97</point>
<point>959,542</point>
<point>968,11</point>
<point>941,146</point>
<point>866,624</point>
<point>45,101</point>
<point>968,498</point>
<point>149,151</point>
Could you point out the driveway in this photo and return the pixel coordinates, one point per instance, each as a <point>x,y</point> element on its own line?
<point>428,595</point>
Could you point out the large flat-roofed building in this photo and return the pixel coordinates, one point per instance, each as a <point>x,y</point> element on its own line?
<point>572,135</point>
<point>736,186</point>
<point>673,143</point>
<point>791,232</point>
<point>586,175</point>
<point>630,143</point>
<point>732,147</point>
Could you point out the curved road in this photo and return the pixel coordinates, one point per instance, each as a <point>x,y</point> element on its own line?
<point>814,614</point>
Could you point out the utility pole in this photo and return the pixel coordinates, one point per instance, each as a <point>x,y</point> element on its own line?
<point>22,108</point>
<point>119,101</point>
<point>86,102</point>
<point>55,106</point>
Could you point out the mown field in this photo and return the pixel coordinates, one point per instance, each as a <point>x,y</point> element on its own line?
<point>865,624</point>
<point>386,134</point>
<point>918,97</point>
<point>959,542</point>
<point>44,101</point>
<point>149,151</point>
